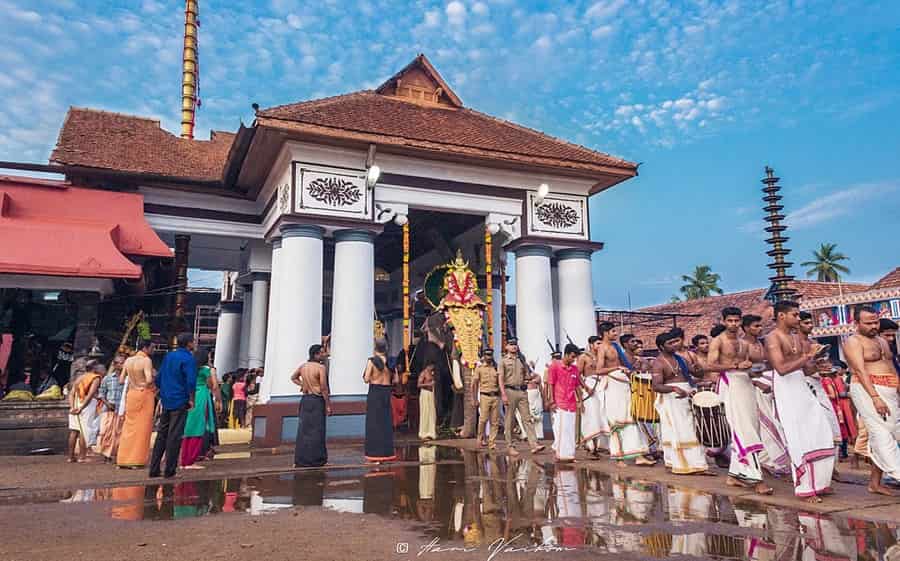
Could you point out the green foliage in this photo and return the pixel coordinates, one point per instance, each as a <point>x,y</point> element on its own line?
<point>701,284</point>
<point>826,264</point>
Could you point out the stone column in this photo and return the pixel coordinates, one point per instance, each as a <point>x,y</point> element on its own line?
<point>258,318</point>
<point>265,390</point>
<point>497,343</point>
<point>576,296</point>
<point>353,310</point>
<point>534,303</point>
<point>228,334</point>
<point>299,322</point>
<point>244,352</point>
<point>554,282</point>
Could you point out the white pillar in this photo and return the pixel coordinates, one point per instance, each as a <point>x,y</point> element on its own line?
<point>352,310</point>
<point>554,283</point>
<point>228,335</point>
<point>576,296</point>
<point>245,327</point>
<point>497,305</point>
<point>299,323</point>
<point>534,303</point>
<point>265,390</point>
<point>258,313</point>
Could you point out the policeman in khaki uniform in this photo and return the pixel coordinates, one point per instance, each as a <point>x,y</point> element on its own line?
<point>514,376</point>
<point>486,384</point>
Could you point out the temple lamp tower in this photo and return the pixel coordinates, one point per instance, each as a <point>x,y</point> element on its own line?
<point>780,290</point>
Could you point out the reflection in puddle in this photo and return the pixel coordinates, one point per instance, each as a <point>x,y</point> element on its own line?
<point>482,498</point>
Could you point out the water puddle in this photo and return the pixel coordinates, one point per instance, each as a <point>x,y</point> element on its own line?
<point>472,499</point>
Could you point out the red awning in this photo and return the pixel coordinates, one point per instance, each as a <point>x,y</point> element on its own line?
<point>50,228</point>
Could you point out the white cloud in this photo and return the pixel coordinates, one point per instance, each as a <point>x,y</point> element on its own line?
<point>456,13</point>
<point>715,104</point>
<point>602,31</point>
<point>432,19</point>
<point>480,8</point>
<point>151,7</point>
<point>604,9</point>
<point>543,43</point>
<point>839,203</point>
<point>294,21</point>
<point>18,14</point>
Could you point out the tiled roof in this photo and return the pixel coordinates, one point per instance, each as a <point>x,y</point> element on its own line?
<point>391,120</point>
<point>710,309</point>
<point>889,280</point>
<point>815,289</point>
<point>126,143</point>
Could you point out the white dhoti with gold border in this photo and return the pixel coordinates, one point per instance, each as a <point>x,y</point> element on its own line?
<point>682,452</point>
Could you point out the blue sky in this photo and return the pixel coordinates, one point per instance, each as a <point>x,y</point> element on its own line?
<point>703,93</point>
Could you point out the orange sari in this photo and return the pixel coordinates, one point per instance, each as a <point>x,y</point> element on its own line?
<point>134,443</point>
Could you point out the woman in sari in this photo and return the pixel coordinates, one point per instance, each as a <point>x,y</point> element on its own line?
<point>200,426</point>
<point>140,402</point>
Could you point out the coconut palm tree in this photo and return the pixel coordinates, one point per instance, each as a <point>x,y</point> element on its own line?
<point>826,266</point>
<point>703,283</point>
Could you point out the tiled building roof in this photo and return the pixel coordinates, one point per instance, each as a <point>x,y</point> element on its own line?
<point>710,308</point>
<point>890,280</point>
<point>392,120</point>
<point>126,143</point>
<point>398,114</point>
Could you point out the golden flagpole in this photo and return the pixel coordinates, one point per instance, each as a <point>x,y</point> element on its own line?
<point>405,299</point>
<point>489,284</point>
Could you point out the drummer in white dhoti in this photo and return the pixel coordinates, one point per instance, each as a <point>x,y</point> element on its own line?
<point>806,429</point>
<point>774,455</point>
<point>626,441</point>
<point>594,425</point>
<point>873,389</point>
<point>673,384</point>
<point>729,354</point>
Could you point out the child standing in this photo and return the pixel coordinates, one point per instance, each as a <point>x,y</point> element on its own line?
<point>239,401</point>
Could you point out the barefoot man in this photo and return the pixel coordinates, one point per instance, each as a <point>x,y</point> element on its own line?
<point>594,427</point>
<point>774,456</point>
<point>730,354</point>
<point>814,379</point>
<point>806,429</point>
<point>673,384</point>
<point>873,389</point>
<point>626,441</point>
<point>562,387</point>
<point>314,406</point>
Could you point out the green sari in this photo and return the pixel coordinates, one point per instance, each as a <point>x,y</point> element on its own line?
<point>202,418</point>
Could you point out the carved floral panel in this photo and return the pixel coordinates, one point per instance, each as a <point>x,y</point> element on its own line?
<point>332,191</point>
<point>558,215</point>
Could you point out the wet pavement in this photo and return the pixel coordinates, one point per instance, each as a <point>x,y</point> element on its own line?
<point>462,498</point>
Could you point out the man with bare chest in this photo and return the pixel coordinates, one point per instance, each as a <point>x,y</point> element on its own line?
<point>873,389</point>
<point>700,353</point>
<point>774,456</point>
<point>626,441</point>
<point>674,384</point>
<point>729,354</point>
<point>315,404</point>
<point>814,379</point>
<point>594,425</point>
<point>806,428</point>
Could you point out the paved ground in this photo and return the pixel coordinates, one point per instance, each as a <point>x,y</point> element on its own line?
<point>37,526</point>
